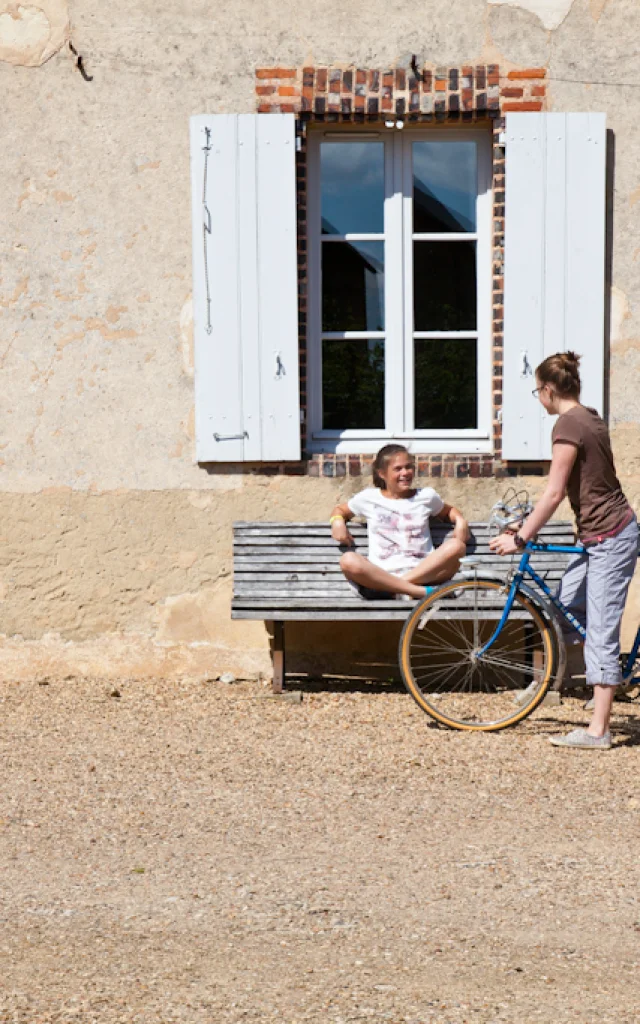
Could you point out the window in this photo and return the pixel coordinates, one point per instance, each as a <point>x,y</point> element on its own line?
<point>399,289</point>
<point>399,282</point>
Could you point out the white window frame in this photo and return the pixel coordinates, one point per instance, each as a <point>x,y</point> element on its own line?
<point>399,334</point>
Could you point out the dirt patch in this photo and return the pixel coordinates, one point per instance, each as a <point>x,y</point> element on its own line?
<point>198,853</point>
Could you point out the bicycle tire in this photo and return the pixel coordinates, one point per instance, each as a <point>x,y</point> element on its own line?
<point>456,689</point>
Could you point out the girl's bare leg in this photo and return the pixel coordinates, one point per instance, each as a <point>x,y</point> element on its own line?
<point>602,702</point>
<point>440,565</point>
<point>360,570</point>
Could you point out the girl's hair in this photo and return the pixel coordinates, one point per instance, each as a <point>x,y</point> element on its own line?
<point>383,458</point>
<point>561,371</point>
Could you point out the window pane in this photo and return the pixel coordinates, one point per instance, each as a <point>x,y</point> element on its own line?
<point>352,187</point>
<point>445,374</point>
<point>444,286</point>
<point>352,384</point>
<point>353,286</point>
<point>445,187</point>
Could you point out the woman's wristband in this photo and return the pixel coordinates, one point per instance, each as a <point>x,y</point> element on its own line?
<point>333,519</point>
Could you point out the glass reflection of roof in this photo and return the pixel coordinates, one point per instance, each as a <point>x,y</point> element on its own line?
<point>328,228</point>
<point>443,214</point>
<point>352,251</point>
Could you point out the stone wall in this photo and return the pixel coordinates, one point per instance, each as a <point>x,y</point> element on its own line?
<point>115,554</point>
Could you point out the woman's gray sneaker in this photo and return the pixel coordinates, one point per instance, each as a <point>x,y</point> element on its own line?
<point>580,739</point>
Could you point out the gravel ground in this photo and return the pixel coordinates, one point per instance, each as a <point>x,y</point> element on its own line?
<point>199,853</point>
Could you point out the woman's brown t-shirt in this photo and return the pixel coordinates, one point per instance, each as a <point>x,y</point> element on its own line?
<point>594,490</point>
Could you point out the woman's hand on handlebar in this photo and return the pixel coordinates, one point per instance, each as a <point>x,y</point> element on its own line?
<point>504,544</point>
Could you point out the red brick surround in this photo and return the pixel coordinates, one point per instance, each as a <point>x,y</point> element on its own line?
<point>466,94</point>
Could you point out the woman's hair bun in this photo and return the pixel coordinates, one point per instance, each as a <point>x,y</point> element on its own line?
<point>561,372</point>
<point>572,358</point>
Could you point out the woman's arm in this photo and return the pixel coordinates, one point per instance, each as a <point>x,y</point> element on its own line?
<point>451,514</point>
<point>564,456</point>
<point>338,521</point>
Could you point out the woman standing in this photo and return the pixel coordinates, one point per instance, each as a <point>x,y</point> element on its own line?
<point>402,558</point>
<point>595,584</point>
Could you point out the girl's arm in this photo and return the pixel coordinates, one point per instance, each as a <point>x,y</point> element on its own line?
<point>451,514</point>
<point>564,456</point>
<point>338,521</point>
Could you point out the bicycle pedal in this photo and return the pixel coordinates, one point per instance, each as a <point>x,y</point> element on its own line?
<point>552,698</point>
<point>523,696</point>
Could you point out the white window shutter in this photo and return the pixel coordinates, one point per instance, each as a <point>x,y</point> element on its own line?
<point>554,274</point>
<point>245,259</point>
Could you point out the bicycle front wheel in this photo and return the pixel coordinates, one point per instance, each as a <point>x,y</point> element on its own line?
<point>446,670</point>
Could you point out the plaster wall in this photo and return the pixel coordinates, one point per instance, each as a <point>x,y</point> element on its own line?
<point>115,544</point>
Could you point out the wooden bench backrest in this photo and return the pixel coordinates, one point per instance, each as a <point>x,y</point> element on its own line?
<point>291,571</point>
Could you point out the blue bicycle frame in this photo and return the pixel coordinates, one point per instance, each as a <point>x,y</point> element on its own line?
<point>525,570</point>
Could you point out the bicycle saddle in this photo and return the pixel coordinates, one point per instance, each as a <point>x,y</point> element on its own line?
<point>470,562</point>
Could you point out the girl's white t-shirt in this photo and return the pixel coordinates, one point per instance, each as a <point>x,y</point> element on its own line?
<point>398,528</point>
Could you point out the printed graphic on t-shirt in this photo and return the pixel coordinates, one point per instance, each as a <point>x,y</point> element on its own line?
<point>400,533</point>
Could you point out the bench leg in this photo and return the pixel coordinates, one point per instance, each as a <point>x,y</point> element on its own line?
<point>278,657</point>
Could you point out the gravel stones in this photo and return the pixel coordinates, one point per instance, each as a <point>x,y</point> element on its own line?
<point>194,853</point>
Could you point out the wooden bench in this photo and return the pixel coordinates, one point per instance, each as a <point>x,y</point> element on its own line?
<point>290,572</point>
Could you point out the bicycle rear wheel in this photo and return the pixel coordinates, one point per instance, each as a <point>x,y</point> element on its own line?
<point>450,679</point>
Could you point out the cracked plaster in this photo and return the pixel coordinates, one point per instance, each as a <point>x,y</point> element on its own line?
<point>31,33</point>
<point>550,12</point>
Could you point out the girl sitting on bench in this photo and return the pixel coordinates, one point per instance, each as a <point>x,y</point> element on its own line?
<point>402,559</point>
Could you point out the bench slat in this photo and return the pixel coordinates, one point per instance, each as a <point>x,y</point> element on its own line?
<point>275,578</point>
<point>278,529</point>
<point>288,614</point>
<point>321,615</point>
<point>332,560</point>
<point>283,543</point>
<point>305,586</point>
<point>317,560</point>
<point>317,544</point>
<point>493,564</point>
<point>345,602</point>
<point>476,547</point>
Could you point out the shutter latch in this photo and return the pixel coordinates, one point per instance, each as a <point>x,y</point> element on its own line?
<point>525,365</point>
<point>231,437</point>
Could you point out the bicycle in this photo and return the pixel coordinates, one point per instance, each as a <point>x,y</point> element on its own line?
<point>468,673</point>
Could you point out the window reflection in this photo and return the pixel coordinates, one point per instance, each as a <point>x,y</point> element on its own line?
<point>353,384</point>
<point>444,286</point>
<point>352,187</point>
<point>353,286</point>
<point>445,179</point>
<point>445,383</point>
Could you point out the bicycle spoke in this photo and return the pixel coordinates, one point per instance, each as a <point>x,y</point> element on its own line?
<point>521,667</point>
